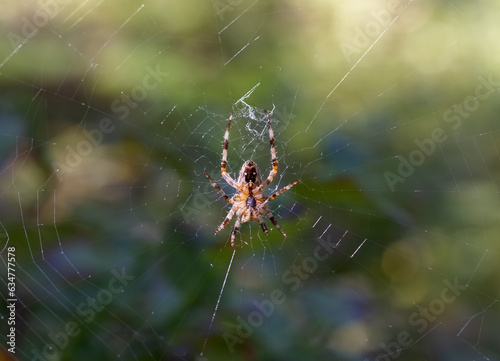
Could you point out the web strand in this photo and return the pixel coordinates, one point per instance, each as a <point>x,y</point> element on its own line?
<point>217,304</point>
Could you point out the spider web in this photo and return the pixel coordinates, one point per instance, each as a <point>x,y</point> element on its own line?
<point>385,112</point>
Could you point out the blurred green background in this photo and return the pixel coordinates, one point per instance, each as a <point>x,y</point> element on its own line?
<point>386,112</point>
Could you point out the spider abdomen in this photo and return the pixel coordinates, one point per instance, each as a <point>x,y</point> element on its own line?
<point>251,202</point>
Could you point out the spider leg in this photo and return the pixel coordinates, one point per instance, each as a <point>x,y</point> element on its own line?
<point>223,164</point>
<point>274,160</point>
<point>218,189</point>
<point>235,230</point>
<point>262,224</point>
<point>226,221</point>
<point>275,222</point>
<point>281,191</point>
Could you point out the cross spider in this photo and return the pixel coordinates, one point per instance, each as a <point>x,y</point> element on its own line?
<point>249,204</point>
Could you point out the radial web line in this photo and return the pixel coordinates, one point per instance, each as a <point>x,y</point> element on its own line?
<point>217,304</point>
<point>352,68</point>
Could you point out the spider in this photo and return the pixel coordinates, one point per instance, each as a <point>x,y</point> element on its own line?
<point>249,204</point>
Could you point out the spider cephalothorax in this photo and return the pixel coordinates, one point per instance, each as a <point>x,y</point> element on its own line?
<point>249,204</point>
<point>250,175</point>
